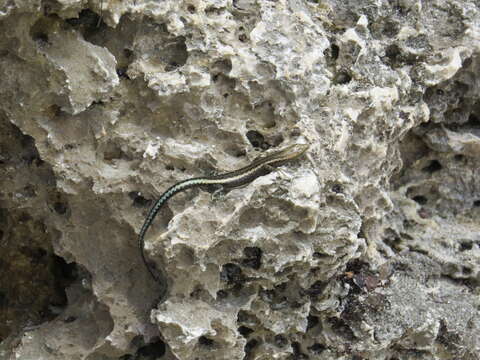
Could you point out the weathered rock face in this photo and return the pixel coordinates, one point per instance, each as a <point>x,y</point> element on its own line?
<point>366,247</point>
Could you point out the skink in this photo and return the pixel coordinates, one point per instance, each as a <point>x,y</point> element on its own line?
<point>259,167</point>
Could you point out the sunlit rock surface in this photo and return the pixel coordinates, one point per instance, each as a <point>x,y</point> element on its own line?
<point>367,247</point>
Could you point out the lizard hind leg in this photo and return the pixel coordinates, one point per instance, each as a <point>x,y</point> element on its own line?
<point>218,192</point>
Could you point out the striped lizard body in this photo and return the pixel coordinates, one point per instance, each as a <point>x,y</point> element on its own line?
<point>259,167</point>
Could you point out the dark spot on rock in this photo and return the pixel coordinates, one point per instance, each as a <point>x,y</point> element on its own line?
<point>420,199</point>
<point>232,274</point>
<point>41,39</point>
<point>317,348</point>
<point>68,272</point>
<point>337,188</point>
<point>152,351</point>
<point>24,217</point>
<point>87,22</point>
<point>316,289</point>
<point>473,121</point>
<point>312,321</point>
<point>127,53</point>
<point>331,53</point>
<point>342,77</point>
<point>245,331</point>
<point>466,245</point>
<point>280,341</point>
<point>319,255</point>
<point>253,257</point>
<point>222,294</point>
<point>434,166</point>
<point>341,328</point>
<point>297,351</point>
<point>250,345</point>
<point>392,52</point>
<point>70,319</point>
<point>256,139</point>
<point>29,191</point>
<point>122,72</point>
<point>138,200</point>
<point>60,207</point>
<point>459,157</point>
<point>204,341</point>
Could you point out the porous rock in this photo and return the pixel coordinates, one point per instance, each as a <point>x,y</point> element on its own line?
<point>367,247</point>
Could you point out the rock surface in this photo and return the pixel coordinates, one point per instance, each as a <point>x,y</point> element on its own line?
<point>368,247</point>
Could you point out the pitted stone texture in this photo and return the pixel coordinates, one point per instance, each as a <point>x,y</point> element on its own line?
<point>124,98</point>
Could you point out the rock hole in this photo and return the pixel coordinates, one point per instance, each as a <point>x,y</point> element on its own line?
<point>331,53</point>
<point>466,245</point>
<point>337,188</point>
<point>280,340</point>
<point>390,29</point>
<point>392,52</point>
<point>316,288</point>
<point>342,77</point>
<point>232,274</point>
<point>70,319</point>
<point>88,23</point>
<point>341,328</point>
<point>319,255</point>
<point>221,67</point>
<point>256,139</point>
<point>138,200</point>
<point>473,121</point>
<point>152,351</point>
<point>67,272</point>
<point>420,199</point>
<point>434,166</point>
<point>245,331</point>
<point>204,341</point>
<point>41,39</point>
<point>476,203</point>
<point>312,321</point>
<point>122,73</point>
<point>113,151</point>
<point>128,53</point>
<point>317,348</point>
<point>29,151</point>
<point>297,351</point>
<point>250,345</point>
<point>253,257</point>
<point>60,207</point>
<point>459,157</point>
<point>222,294</point>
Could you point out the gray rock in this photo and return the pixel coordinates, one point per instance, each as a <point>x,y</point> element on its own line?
<point>368,247</point>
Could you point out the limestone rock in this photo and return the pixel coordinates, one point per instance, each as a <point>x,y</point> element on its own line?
<point>367,247</point>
